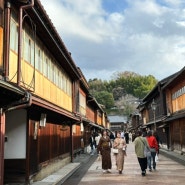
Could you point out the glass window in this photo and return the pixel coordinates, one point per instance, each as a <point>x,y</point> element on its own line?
<point>32,51</point>
<point>37,53</point>
<point>13,36</point>
<point>48,69</point>
<point>45,66</point>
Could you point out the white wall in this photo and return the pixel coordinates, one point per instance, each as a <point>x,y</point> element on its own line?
<point>15,131</point>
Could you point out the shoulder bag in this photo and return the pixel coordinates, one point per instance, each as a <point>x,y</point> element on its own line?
<point>147,152</point>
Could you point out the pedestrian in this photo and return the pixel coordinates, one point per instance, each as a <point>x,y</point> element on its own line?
<point>126,136</point>
<point>97,139</point>
<point>159,142</point>
<point>92,144</point>
<point>122,134</point>
<point>112,137</point>
<point>104,147</point>
<point>153,148</point>
<point>120,144</point>
<point>130,137</point>
<point>140,142</point>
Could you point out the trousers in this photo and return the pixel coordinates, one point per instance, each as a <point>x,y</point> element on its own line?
<point>142,163</point>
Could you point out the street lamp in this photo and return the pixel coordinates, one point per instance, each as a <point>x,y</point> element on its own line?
<point>154,106</point>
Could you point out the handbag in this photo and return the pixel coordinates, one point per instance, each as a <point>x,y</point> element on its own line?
<point>115,150</point>
<point>147,152</point>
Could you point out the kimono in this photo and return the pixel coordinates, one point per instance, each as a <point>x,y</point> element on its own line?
<point>104,147</point>
<point>121,153</point>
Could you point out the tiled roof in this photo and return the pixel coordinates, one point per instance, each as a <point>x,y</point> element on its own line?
<point>117,119</point>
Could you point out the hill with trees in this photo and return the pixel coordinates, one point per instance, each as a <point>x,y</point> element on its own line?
<point>122,93</point>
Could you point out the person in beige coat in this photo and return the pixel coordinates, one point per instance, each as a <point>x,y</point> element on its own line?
<point>120,144</point>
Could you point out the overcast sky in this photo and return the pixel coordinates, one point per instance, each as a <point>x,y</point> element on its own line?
<point>110,36</point>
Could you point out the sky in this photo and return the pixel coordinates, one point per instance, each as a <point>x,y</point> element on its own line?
<point>106,37</point>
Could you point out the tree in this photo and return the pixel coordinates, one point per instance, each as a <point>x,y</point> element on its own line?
<point>111,93</point>
<point>105,98</point>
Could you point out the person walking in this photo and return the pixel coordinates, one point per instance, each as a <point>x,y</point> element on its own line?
<point>126,136</point>
<point>112,137</point>
<point>97,139</point>
<point>159,142</point>
<point>120,144</point>
<point>153,148</point>
<point>92,143</point>
<point>104,147</point>
<point>122,134</point>
<point>130,137</point>
<point>140,143</point>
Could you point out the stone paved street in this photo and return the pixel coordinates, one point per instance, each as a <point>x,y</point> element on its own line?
<point>168,172</point>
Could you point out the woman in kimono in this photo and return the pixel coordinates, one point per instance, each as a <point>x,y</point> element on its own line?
<point>120,144</point>
<point>104,146</point>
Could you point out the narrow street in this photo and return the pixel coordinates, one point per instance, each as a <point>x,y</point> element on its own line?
<point>168,172</point>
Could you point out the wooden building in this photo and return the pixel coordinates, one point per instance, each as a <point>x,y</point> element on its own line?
<point>152,117</point>
<point>168,117</point>
<point>45,112</point>
<point>175,121</point>
<point>118,123</point>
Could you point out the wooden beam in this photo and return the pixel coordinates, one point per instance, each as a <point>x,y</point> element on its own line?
<point>2,136</point>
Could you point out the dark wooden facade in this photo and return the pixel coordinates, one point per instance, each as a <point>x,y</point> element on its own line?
<point>175,102</point>
<point>169,95</point>
<point>44,100</point>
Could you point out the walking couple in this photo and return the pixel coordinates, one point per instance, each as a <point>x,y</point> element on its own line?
<point>105,146</point>
<point>146,158</point>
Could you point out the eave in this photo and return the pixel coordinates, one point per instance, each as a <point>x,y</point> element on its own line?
<point>9,93</point>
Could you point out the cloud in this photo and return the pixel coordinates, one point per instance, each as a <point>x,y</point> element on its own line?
<point>140,36</point>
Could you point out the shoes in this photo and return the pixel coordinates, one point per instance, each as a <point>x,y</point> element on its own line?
<point>120,172</point>
<point>150,170</point>
<point>108,171</point>
<point>143,173</point>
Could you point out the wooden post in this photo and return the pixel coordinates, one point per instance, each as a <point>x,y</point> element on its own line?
<point>72,143</point>
<point>2,135</point>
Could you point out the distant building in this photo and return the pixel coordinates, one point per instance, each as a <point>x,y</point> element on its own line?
<point>118,122</point>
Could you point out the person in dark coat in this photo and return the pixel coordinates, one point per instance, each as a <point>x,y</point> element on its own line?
<point>92,143</point>
<point>155,134</point>
<point>104,147</point>
<point>126,137</point>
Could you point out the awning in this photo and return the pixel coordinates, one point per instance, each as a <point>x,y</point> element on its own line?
<point>156,121</point>
<point>10,93</point>
<point>96,125</point>
<point>144,126</point>
<point>175,116</point>
<point>162,126</point>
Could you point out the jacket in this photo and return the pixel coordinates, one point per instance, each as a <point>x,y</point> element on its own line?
<point>152,142</point>
<point>140,143</point>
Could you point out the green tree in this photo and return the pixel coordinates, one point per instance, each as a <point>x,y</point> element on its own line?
<point>137,85</point>
<point>105,98</point>
<point>97,85</point>
<point>109,93</point>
